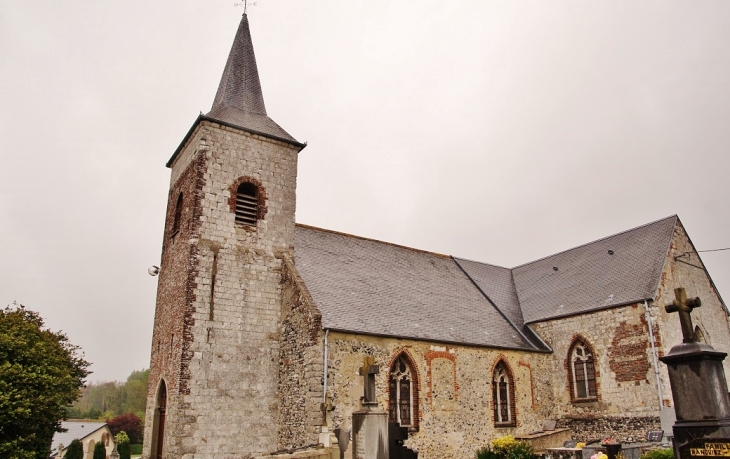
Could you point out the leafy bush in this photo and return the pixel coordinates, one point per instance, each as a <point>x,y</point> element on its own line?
<point>129,423</point>
<point>136,449</point>
<point>75,450</point>
<point>658,454</point>
<point>506,448</point>
<point>99,451</point>
<point>123,445</point>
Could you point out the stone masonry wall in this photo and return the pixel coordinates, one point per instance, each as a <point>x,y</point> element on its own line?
<point>175,293</point>
<point>301,364</point>
<point>625,380</point>
<point>454,391</point>
<point>711,318</point>
<point>230,364</point>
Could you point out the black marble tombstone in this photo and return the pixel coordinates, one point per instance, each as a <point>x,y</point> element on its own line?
<point>396,436</point>
<point>699,389</point>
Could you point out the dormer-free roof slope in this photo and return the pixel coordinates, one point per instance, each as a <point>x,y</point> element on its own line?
<point>372,287</point>
<point>620,269</point>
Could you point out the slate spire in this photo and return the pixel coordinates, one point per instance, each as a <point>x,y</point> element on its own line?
<point>240,86</point>
<point>239,100</point>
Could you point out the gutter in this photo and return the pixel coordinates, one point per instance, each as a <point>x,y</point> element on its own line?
<point>654,356</point>
<point>326,358</point>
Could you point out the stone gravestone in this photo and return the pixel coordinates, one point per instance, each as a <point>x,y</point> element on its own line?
<point>699,389</point>
<point>369,424</point>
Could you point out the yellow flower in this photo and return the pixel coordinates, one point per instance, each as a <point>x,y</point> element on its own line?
<point>580,445</point>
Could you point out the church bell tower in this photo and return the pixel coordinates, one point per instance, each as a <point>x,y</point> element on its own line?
<point>230,222</point>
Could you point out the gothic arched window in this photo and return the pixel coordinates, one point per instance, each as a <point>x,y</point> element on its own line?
<point>503,393</point>
<point>402,395</point>
<point>582,371</point>
<point>247,204</point>
<point>178,214</point>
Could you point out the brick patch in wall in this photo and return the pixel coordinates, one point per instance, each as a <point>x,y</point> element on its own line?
<point>628,351</point>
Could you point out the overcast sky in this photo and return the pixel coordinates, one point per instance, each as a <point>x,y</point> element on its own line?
<point>496,131</point>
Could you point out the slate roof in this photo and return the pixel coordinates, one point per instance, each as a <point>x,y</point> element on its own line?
<point>239,100</point>
<point>76,430</point>
<point>588,278</point>
<point>373,287</point>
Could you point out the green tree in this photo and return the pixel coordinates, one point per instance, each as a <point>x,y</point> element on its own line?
<point>40,375</point>
<point>99,451</point>
<point>123,445</point>
<point>75,450</point>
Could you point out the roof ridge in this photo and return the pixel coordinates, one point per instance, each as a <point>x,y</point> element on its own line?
<point>597,240</point>
<point>340,233</point>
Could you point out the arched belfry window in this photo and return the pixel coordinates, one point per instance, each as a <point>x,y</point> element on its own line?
<point>503,392</point>
<point>402,393</point>
<point>178,214</point>
<point>582,371</point>
<point>247,204</point>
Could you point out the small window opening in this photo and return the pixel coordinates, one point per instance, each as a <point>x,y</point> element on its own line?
<point>247,205</point>
<point>178,214</point>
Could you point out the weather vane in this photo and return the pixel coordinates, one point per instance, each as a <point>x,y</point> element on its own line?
<point>244,4</point>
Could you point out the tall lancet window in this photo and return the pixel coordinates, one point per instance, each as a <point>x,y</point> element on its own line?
<point>503,393</point>
<point>401,392</point>
<point>583,371</point>
<point>247,204</point>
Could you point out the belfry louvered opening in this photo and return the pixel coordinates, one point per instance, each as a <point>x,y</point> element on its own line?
<point>247,204</point>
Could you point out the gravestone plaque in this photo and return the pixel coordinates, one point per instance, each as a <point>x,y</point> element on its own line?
<point>706,449</point>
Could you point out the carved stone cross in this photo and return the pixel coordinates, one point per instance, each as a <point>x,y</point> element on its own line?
<point>368,371</point>
<point>684,307</point>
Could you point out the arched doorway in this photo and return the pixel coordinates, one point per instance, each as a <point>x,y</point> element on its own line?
<point>158,435</point>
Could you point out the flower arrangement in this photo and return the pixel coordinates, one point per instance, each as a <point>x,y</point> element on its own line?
<point>580,444</point>
<point>608,441</point>
<point>506,448</point>
<point>599,455</point>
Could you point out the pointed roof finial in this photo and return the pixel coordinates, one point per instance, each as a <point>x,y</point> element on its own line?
<point>239,100</point>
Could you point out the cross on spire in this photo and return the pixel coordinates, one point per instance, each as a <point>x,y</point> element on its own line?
<point>684,307</point>
<point>244,4</point>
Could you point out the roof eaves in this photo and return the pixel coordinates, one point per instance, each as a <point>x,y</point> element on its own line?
<point>432,340</point>
<point>587,311</point>
<point>201,117</point>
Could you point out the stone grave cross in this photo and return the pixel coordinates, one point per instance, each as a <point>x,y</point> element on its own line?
<point>368,371</point>
<point>684,307</point>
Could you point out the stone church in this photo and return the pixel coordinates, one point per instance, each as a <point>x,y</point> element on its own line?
<point>261,324</point>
